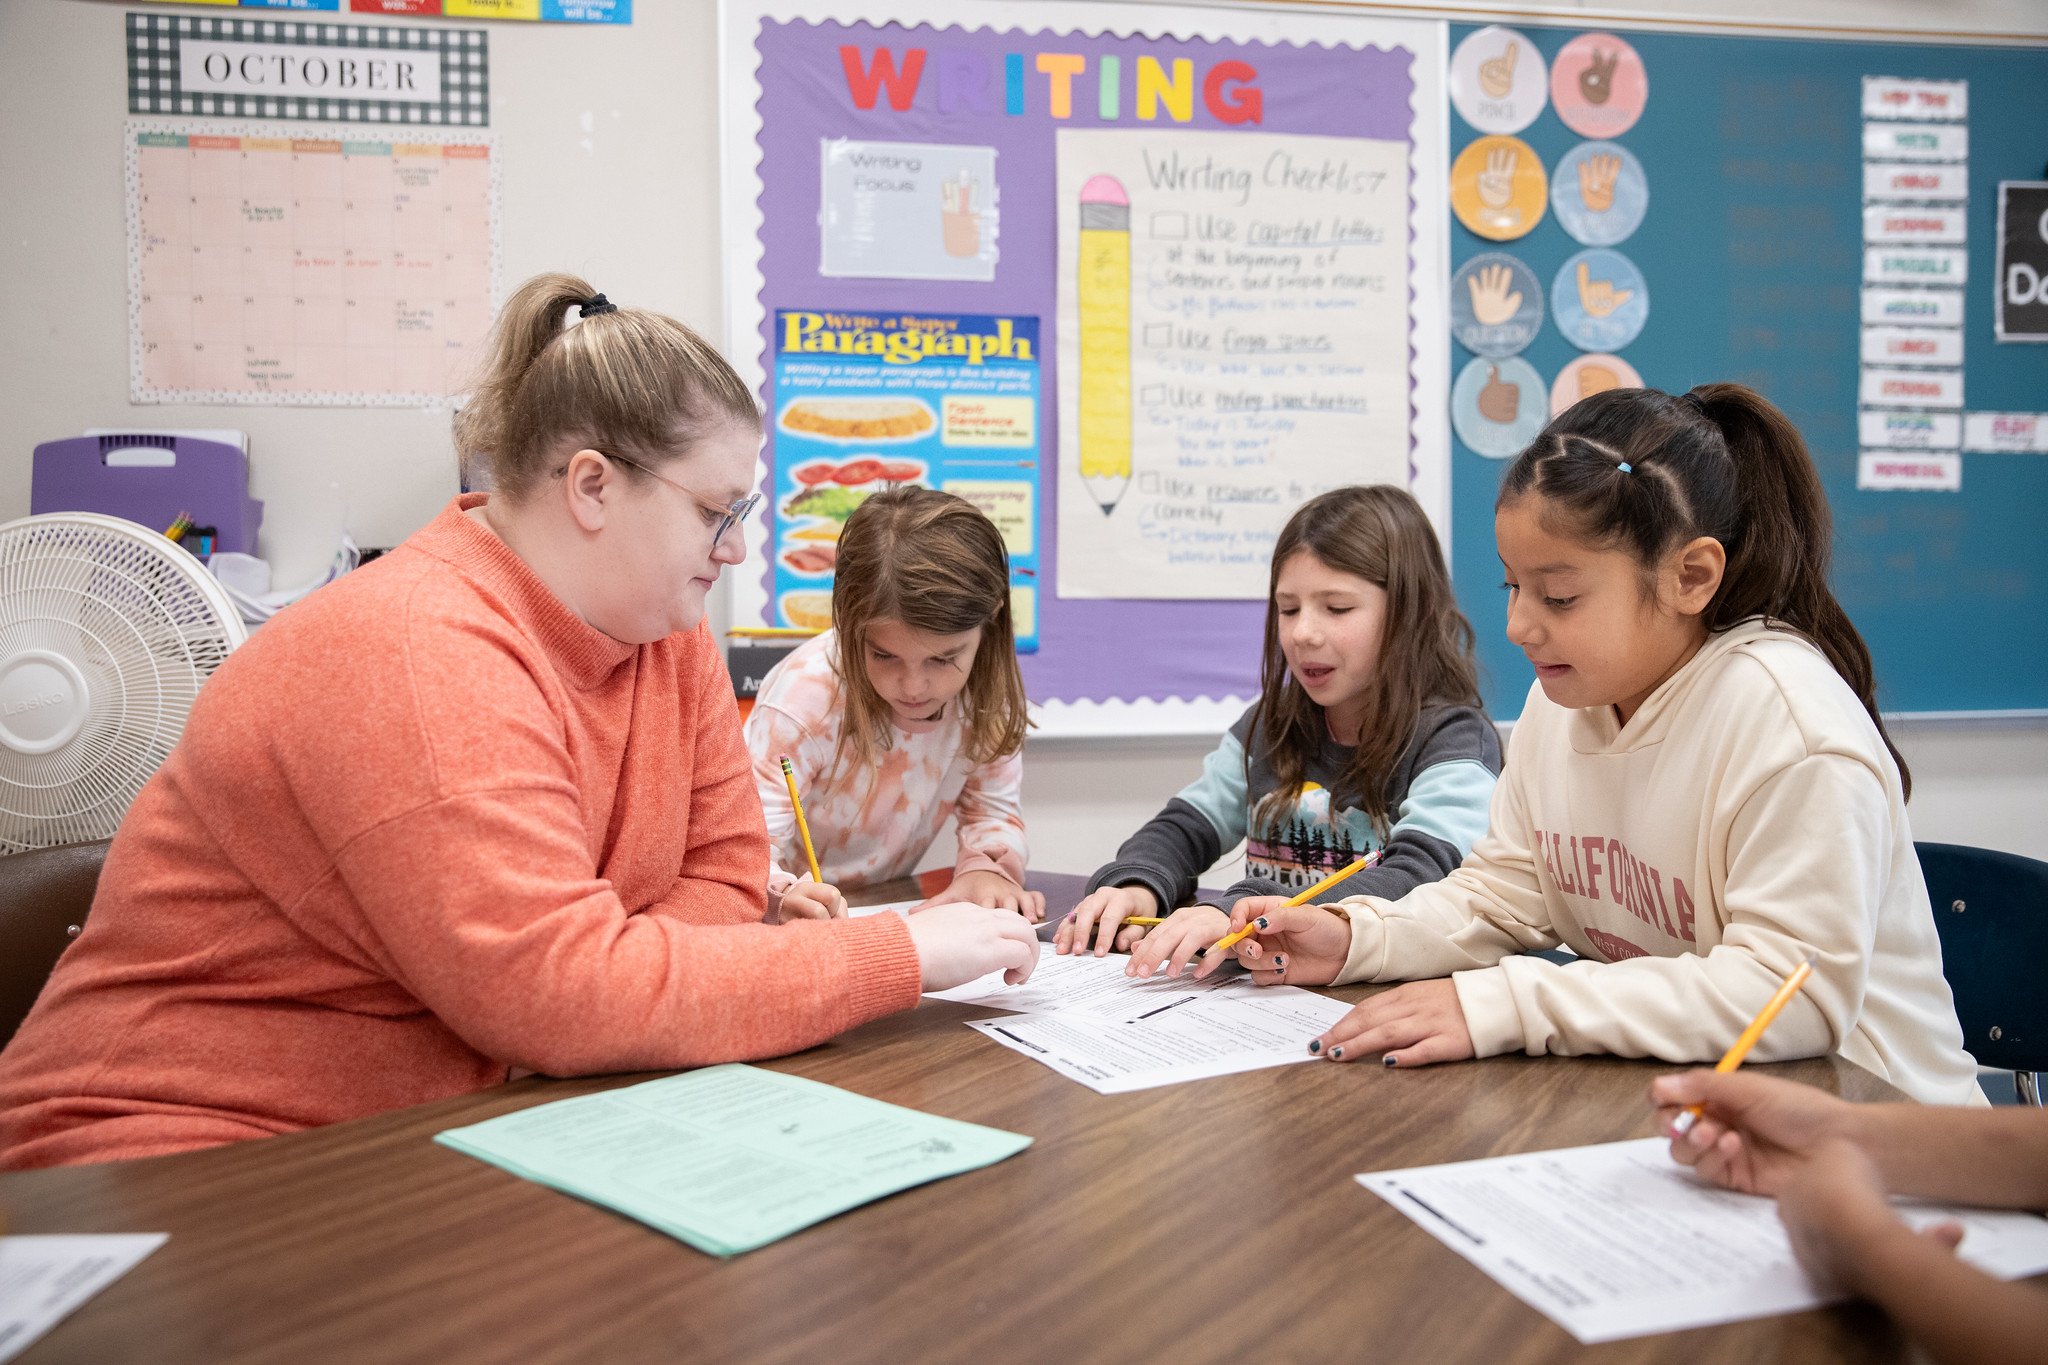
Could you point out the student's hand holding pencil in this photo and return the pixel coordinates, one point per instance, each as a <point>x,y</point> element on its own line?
<point>1295,945</point>
<point>1754,1133</point>
<point>812,900</point>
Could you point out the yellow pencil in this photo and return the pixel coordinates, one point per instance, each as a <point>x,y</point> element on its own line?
<point>1732,1058</point>
<point>1303,899</point>
<point>1147,920</point>
<point>796,802</point>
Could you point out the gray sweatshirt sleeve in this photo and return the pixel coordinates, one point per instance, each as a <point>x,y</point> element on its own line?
<point>1177,845</point>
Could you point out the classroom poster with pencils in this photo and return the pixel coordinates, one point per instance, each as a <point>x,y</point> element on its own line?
<point>1231,243</point>
<point>863,402</point>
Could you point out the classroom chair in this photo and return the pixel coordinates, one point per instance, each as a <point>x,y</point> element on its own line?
<point>1991,909</point>
<point>44,896</point>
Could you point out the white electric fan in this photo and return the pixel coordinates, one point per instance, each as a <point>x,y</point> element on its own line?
<point>107,630</point>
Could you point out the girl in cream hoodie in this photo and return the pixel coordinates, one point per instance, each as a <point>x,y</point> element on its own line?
<point>1699,792</point>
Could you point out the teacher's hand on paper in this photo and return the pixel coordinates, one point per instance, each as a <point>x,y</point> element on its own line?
<point>1754,1132</point>
<point>1186,932</point>
<point>1291,945</point>
<point>956,943</point>
<point>994,890</point>
<point>1110,906</point>
<point>1411,1025</point>
<point>812,900</point>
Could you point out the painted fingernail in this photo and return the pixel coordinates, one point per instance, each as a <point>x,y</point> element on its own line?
<point>1387,1060</point>
<point>1261,922</point>
<point>1315,1045</point>
<point>1279,963</point>
<point>1336,1054</point>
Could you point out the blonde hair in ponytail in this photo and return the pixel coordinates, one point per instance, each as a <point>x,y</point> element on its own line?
<point>629,381</point>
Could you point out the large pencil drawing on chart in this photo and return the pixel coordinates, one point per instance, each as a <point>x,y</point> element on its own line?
<point>1233,339</point>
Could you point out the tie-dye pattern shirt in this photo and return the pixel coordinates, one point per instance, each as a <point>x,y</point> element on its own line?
<point>870,825</point>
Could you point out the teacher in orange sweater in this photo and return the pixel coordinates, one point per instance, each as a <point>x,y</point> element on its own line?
<point>478,809</point>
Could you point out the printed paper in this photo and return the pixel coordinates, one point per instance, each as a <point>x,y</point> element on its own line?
<point>44,1279</point>
<point>1618,1240</point>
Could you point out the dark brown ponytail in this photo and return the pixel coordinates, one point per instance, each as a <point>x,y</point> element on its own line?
<point>1719,461</point>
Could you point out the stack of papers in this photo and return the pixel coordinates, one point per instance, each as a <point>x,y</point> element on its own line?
<point>1618,1240</point>
<point>732,1157</point>
<point>1081,1016</point>
<point>42,1279</point>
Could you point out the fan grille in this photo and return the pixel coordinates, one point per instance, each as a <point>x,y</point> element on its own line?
<point>145,626</point>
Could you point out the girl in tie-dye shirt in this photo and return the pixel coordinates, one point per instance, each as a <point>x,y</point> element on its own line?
<point>909,711</point>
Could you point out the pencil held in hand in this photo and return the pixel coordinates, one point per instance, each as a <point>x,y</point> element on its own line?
<point>802,826</point>
<point>1731,1059</point>
<point>1358,865</point>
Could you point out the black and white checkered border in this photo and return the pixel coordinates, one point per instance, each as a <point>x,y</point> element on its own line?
<point>153,82</point>
<point>139,392</point>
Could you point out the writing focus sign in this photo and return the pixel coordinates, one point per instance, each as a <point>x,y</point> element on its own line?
<point>2022,307</point>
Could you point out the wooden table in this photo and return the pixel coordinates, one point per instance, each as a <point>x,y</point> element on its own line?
<point>1216,1221</point>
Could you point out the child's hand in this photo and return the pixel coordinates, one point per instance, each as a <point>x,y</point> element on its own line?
<point>1755,1133</point>
<point>1833,1207</point>
<point>1175,943</point>
<point>1110,906</point>
<point>1411,1025</point>
<point>1300,945</point>
<point>958,942</point>
<point>994,890</point>
<point>812,900</point>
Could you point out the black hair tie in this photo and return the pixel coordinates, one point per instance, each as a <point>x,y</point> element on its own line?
<point>1689,398</point>
<point>595,304</point>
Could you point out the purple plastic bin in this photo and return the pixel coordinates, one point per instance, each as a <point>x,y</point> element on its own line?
<point>209,480</point>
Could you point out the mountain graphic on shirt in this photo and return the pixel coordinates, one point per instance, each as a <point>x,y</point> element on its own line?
<point>1309,842</point>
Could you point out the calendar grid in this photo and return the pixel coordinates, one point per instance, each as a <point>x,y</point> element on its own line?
<point>308,266</point>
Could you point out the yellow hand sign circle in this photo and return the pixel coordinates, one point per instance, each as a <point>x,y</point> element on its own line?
<point>1498,188</point>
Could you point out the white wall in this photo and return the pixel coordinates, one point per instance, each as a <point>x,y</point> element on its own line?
<point>610,170</point>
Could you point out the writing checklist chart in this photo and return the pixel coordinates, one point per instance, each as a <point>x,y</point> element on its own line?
<point>266,266</point>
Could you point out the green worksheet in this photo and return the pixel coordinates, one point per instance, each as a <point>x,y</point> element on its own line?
<point>732,1157</point>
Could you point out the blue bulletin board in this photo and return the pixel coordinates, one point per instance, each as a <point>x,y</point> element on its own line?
<point>1752,251</point>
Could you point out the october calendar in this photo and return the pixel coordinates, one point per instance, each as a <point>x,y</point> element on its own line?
<point>269,266</point>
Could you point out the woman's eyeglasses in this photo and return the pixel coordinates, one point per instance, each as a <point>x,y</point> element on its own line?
<point>734,513</point>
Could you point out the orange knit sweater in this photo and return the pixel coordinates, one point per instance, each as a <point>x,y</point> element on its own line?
<point>427,827</point>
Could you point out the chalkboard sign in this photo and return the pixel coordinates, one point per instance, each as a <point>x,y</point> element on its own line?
<point>1752,251</point>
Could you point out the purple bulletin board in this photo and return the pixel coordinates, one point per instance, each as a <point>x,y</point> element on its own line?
<point>981,83</point>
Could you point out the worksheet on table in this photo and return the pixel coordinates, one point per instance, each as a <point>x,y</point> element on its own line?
<point>1618,1240</point>
<point>1082,983</point>
<point>43,1279</point>
<point>1179,1039</point>
<point>885,908</point>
